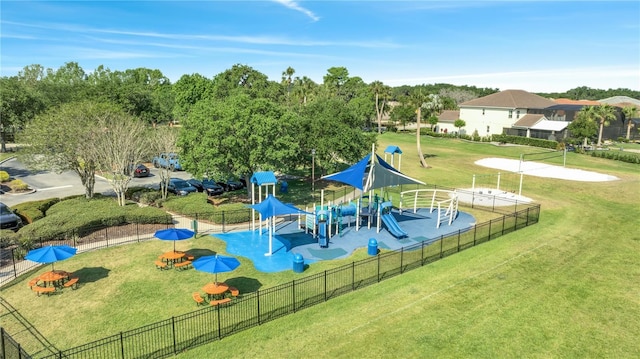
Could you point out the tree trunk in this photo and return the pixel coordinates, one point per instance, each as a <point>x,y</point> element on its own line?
<point>629,129</point>
<point>379,115</point>
<point>423,163</point>
<point>600,133</point>
<point>87,174</point>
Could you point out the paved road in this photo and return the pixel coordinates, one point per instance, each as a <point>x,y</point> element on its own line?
<point>50,184</point>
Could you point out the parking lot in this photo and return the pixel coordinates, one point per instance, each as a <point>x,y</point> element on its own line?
<point>49,184</point>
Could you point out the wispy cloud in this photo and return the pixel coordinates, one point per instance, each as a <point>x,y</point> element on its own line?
<point>293,5</point>
<point>241,39</point>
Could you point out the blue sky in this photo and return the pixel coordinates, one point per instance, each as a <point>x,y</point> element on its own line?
<point>541,46</point>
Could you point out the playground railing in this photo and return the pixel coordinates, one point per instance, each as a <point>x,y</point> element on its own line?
<point>177,334</point>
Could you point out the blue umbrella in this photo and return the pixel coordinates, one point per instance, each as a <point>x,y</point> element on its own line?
<point>174,234</point>
<point>51,254</point>
<point>216,264</point>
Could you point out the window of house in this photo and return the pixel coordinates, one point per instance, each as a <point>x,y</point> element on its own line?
<point>483,111</point>
<point>510,113</point>
<point>487,129</point>
<point>518,114</point>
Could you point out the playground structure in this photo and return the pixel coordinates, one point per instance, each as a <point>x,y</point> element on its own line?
<point>262,180</point>
<point>393,150</point>
<point>327,219</point>
<point>445,202</point>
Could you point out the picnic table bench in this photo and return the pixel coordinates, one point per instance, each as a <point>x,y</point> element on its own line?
<point>234,291</point>
<point>45,290</point>
<point>220,301</point>
<point>182,265</point>
<point>161,265</point>
<point>71,283</point>
<point>198,298</point>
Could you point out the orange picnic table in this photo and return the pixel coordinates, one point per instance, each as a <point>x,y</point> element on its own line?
<point>215,289</point>
<point>172,256</point>
<point>54,277</point>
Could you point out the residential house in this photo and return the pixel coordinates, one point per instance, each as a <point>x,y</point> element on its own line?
<point>502,112</point>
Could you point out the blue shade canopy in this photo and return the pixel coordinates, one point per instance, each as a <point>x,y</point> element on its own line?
<point>370,174</point>
<point>174,234</point>
<point>51,254</point>
<point>393,150</point>
<point>216,264</point>
<point>272,207</point>
<point>261,178</point>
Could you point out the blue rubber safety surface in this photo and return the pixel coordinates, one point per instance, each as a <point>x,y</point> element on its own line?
<point>289,240</point>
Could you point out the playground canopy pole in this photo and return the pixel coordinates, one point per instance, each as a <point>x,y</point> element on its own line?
<point>253,213</point>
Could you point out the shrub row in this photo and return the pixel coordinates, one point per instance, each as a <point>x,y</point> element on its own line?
<point>196,205</point>
<point>528,141</point>
<point>617,156</point>
<point>79,216</point>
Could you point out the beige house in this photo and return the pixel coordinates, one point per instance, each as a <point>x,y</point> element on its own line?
<point>500,112</point>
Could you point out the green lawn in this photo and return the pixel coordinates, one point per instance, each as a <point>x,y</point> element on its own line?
<point>566,287</point>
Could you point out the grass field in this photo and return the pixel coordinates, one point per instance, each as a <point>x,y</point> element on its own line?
<point>566,287</point>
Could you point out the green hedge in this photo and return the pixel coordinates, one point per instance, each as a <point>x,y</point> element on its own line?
<point>196,204</point>
<point>35,210</point>
<point>528,141</point>
<point>617,156</point>
<point>79,216</point>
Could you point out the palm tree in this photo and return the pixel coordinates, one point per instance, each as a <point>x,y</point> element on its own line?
<point>382,92</point>
<point>629,113</point>
<point>287,79</point>
<point>432,104</point>
<point>604,114</point>
<point>303,88</point>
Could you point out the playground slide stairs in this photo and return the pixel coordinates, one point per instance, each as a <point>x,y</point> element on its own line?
<point>392,226</point>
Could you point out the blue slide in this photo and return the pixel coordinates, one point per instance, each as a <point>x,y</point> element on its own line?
<point>392,226</point>
<point>322,234</point>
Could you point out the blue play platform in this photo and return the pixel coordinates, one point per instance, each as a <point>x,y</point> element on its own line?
<point>288,240</point>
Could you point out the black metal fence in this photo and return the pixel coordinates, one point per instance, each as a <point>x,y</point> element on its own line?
<point>177,334</point>
<point>9,348</point>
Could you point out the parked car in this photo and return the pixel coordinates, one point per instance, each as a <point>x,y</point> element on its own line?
<point>140,170</point>
<point>180,187</point>
<point>207,185</point>
<point>8,218</point>
<point>231,185</point>
<point>167,160</point>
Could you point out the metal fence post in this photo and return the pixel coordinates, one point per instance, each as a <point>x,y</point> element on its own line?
<point>258,306</point>
<point>173,333</point>
<point>2,350</point>
<point>121,345</point>
<point>293,294</point>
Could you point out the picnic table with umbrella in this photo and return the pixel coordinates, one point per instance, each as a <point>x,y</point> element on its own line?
<point>216,264</point>
<point>173,234</point>
<point>46,255</point>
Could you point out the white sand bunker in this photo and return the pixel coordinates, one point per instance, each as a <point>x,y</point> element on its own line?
<point>544,170</point>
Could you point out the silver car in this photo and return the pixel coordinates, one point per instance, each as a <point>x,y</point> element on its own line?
<point>8,219</point>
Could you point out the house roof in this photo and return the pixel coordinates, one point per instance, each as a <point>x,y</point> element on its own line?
<point>547,125</point>
<point>528,120</point>
<point>510,99</point>
<point>621,101</point>
<point>566,101</point>
<point>449,116</point>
